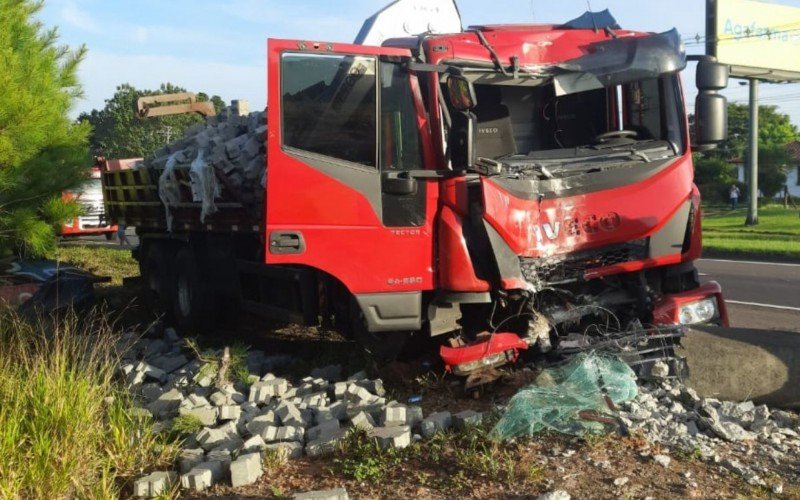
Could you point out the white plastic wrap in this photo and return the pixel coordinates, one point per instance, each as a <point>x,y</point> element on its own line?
<point>169,188</point>
<point>205,187</point>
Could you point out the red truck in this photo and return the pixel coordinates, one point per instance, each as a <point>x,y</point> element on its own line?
<point>92,221</point>
<point>504,188</point>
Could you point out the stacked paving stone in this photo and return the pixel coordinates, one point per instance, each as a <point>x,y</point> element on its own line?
<point>669,413</point>
<point>231,144</point>
<point>273,414</point>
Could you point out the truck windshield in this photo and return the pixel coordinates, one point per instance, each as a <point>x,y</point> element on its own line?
<point>535,122</point>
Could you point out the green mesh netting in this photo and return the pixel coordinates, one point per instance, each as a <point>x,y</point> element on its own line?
<point>559,394</point>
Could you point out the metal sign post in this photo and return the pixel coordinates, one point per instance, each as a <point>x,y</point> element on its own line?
<point>752,157</point>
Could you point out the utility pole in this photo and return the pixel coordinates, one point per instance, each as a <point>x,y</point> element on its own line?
<point>752,157</point>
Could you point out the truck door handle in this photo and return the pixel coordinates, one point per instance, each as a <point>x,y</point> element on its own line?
<point>286,242</point>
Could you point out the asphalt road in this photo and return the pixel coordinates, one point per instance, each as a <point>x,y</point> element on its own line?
<point>759,294</point>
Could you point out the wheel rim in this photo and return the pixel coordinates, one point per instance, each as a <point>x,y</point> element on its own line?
<point>184,297</point>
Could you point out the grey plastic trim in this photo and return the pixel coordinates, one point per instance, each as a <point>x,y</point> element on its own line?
<point>390,312</point>
<point>508,263</point>
<point>669,239</point>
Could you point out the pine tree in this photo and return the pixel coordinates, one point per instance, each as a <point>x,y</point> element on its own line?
<point>42,152</point>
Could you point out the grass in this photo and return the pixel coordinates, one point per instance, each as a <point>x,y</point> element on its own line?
<point>102,261</point>
<point>776,236</point>
<point>66,429</point>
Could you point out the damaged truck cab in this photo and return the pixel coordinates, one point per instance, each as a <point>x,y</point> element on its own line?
<point>535,181</point>
<point>502,188</point>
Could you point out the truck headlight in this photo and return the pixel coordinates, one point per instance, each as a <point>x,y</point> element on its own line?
<point>701,311</point>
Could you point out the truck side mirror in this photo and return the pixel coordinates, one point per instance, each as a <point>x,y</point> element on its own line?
<point>711,108</point>
<point>461,93</point>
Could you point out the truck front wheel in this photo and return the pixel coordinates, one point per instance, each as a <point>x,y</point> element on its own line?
<point>193,306</point>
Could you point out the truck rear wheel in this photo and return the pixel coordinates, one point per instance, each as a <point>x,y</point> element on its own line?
<point>193,304</point>
<point>156,274</point>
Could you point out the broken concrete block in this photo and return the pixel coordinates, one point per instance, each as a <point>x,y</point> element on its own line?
<point>263,390</point>
<point>467,418</point>
<point>154,348</point>
<point>221,456</point>
<point>246,470</point>
<point>231,446</point>
<point>195,401</point>
<point>339,389</point>
<point>337,494</point>
<point>287,451</point>
<point>202,477</point>
<point>155,484</point>
<point>206,415</point>
<point>151,392</point>
<point>373,386</point>
<point>338,410</point>
<point>190,458</point>
<point>362,375</point>
<point>323,415</point>
<point>436,422</point>
<point>229,412</point>
<point>392,437</point>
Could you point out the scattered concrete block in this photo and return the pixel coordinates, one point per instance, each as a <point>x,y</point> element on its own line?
<point>414,415</point>
<point>231,446</point>
<point>287,451</point>
<point>337,494</point>
<point>151,392</point>
<point>393,414</point>
<point>325,445</point>
<point>206,415</point>
<point>152,372</point>
<point>339,389</point>
<point>436,422</point>
<point>195,401</point>
<point>219,398</point>
<point>169,363</point>
<point>290,433</point>
<point>357,394</point>
<point>467,418</point>
<point>211,437</point>
<point>154,348</point>
<point>246,470</point>
<point>392,437</point>
<point>166,404</point>
<point>202,477</point>
<point>373,386</point>
<point>254,444</point>
<point>331,373</point>
<point>258,424</point>
<point>155,484</point>
<point>190,458</point>
<point>221,456</point>
<point>171,336</point>
<point>323,415</point>
<point>363,420</point>
<point>322,430</point>
<point>362,375</point>
<point>229,412</point>
<point>289,414</point>
<point>338,410</point>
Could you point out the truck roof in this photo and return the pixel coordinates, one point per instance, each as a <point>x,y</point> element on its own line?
<point>533,44</point>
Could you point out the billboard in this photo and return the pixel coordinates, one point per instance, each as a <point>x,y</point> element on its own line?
<point>757,39</point>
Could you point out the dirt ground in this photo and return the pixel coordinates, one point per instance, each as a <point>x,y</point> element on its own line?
<point>592,467</point>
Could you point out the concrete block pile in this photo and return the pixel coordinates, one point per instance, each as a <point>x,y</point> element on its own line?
<point>669,413</point>
<point>226,156</point>
<point>272,414</point>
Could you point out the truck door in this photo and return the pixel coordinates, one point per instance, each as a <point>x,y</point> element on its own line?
<point>344,122</point>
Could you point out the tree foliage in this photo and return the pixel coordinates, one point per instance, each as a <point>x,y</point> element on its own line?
<point>713,177</point>
<point>774,129</point>
<point>772,163</point>
<point>42,153</point>
<point>119,133</point>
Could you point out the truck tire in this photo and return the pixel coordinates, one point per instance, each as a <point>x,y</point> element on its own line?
<point>383,346</point>
<point>193,304</point>
<point>156,272</point>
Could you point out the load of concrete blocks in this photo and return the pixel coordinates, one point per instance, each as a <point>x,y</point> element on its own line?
<point>226,159</point>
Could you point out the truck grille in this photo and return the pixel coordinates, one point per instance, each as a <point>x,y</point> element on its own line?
<point>560,269</point>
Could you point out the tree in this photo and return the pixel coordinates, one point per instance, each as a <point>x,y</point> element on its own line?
<point>713,177</point>
<point>772,162</point>
<point>118,133</point>
<point>774,129</point>
<point>42,153</point>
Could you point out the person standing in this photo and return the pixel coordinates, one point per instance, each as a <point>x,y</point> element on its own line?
<point>734,194</point>
<point>121,236</point>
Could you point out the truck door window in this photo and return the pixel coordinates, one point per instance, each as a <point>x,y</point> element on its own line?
<point>400,146</point>
<point>329,106</point>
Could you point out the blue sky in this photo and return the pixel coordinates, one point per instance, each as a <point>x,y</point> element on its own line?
<point>218,46</point>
